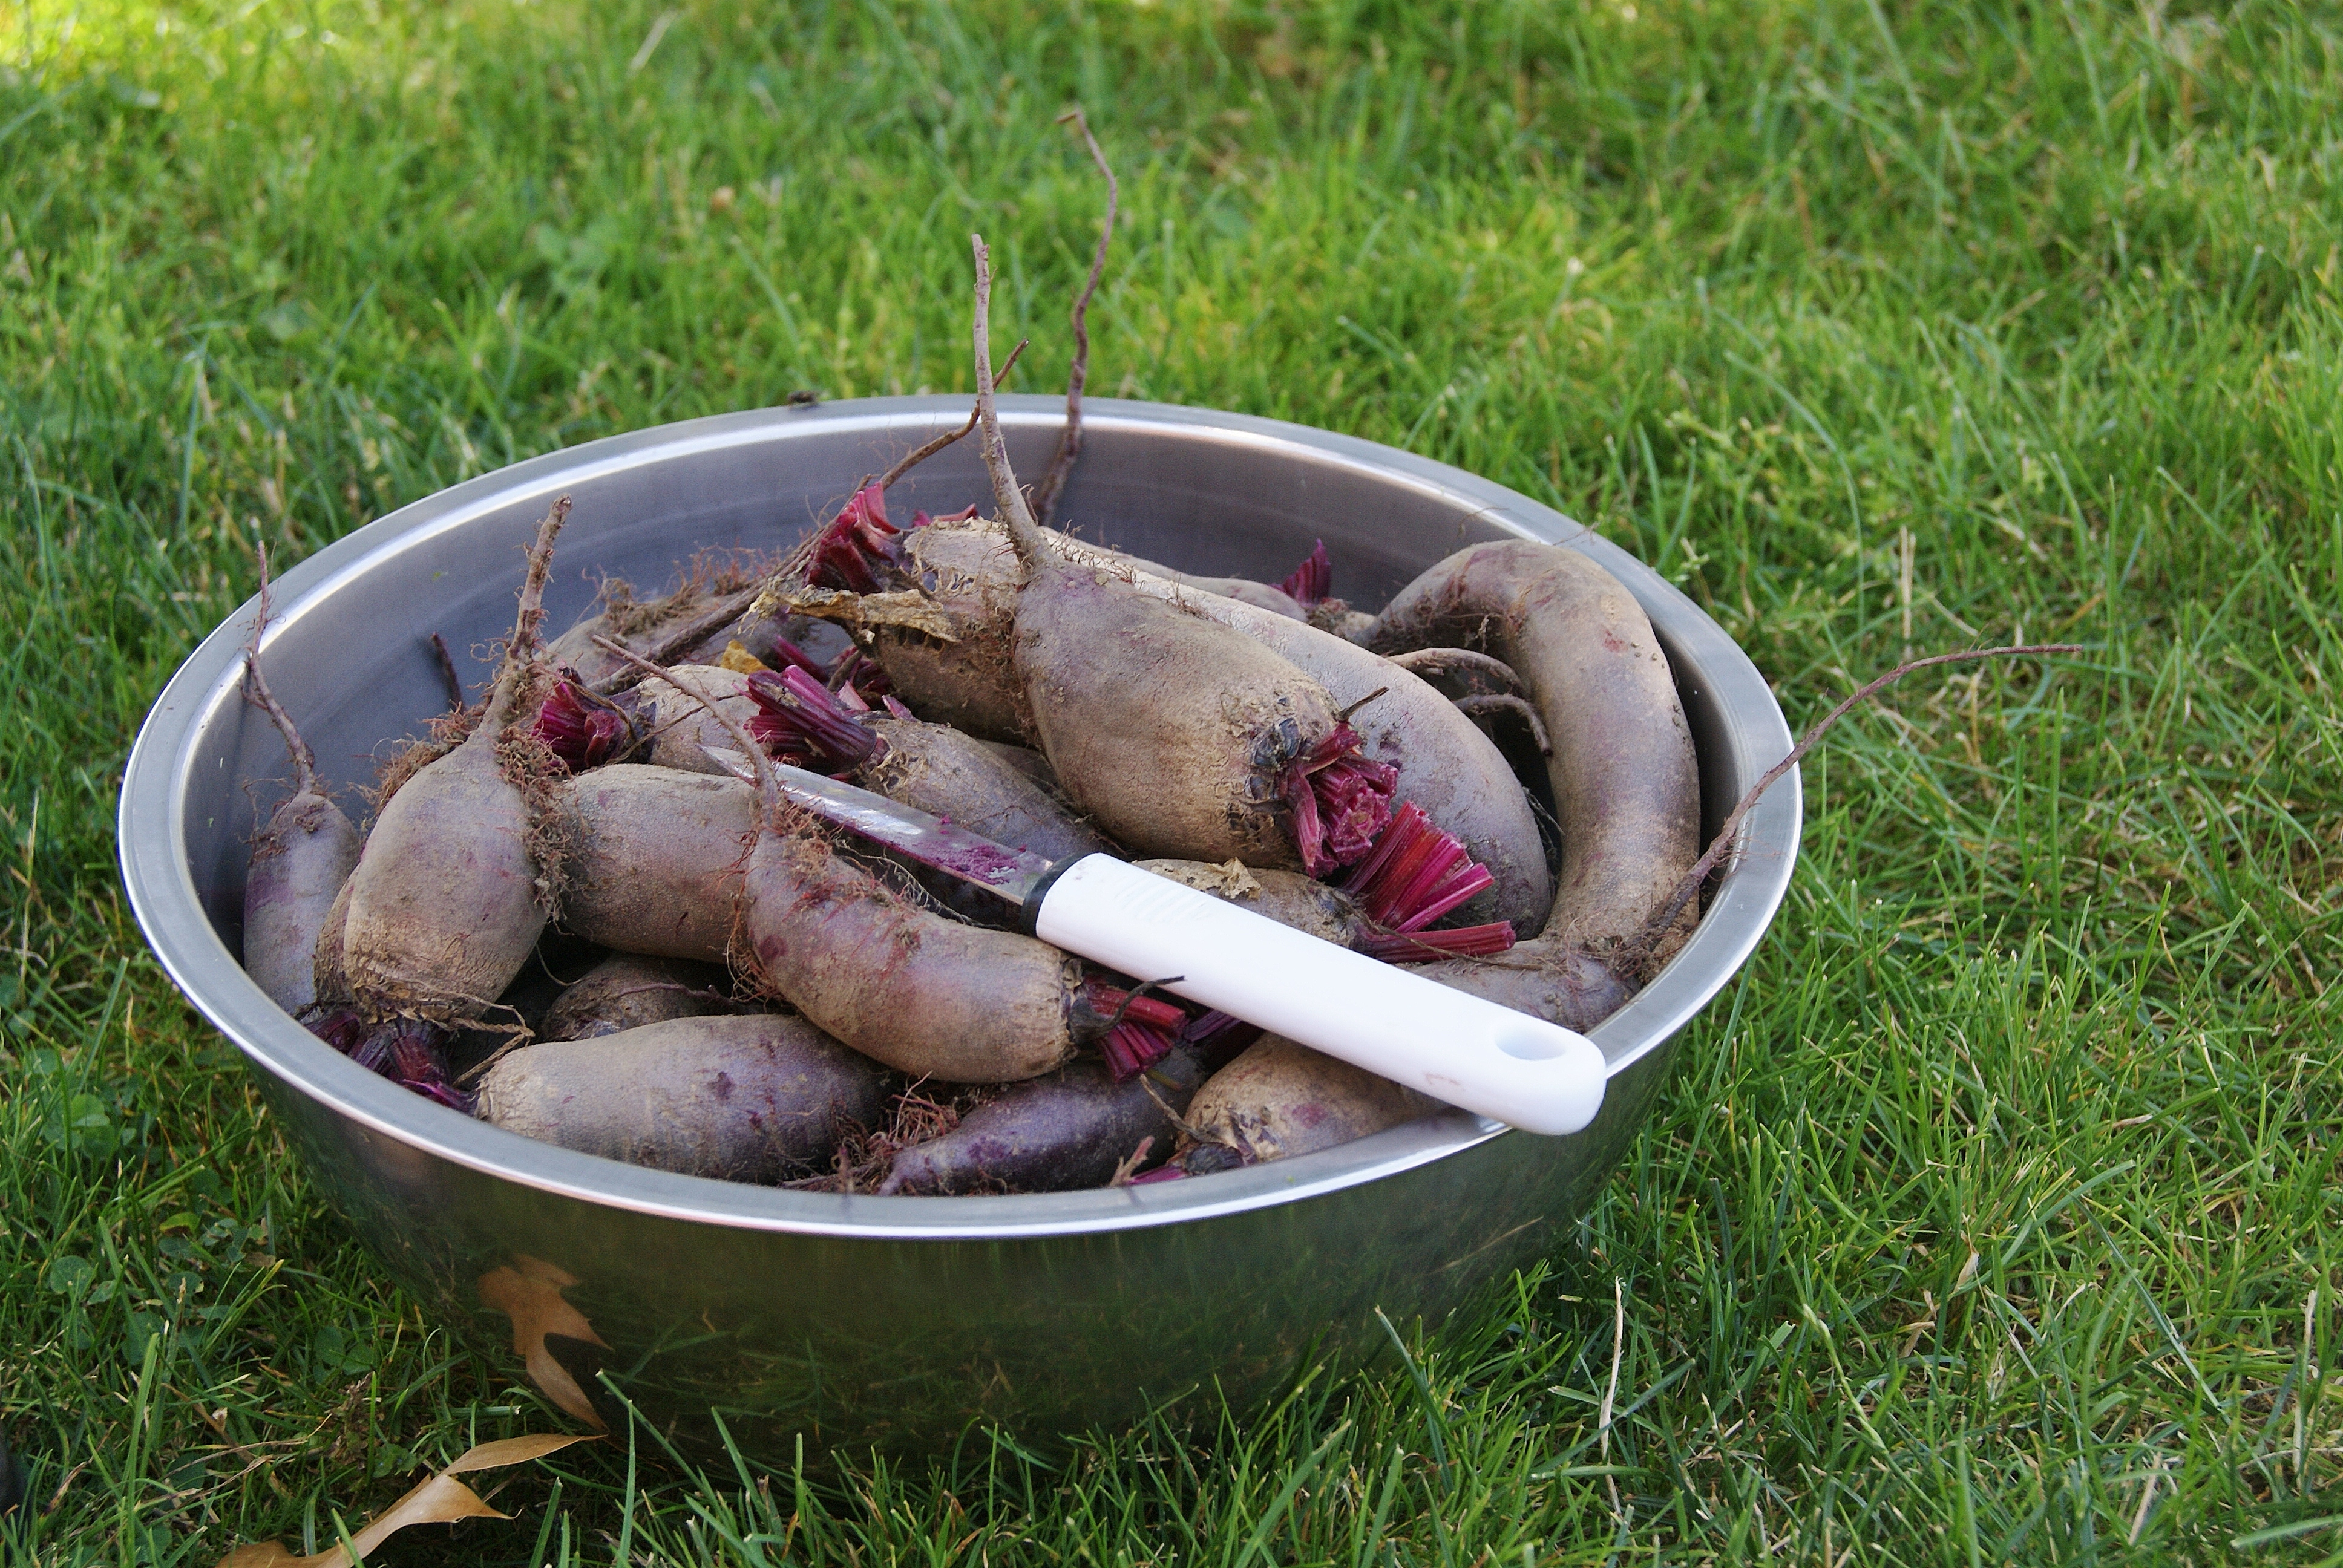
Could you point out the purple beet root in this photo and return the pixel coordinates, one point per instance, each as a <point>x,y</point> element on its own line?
<point>756,1098</point>
<point>1074,1128</point>
<point>654,859</point>
<point>928,996</point>
<point>629,990</point>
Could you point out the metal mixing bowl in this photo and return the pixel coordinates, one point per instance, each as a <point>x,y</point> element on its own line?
<point>893,1322</point>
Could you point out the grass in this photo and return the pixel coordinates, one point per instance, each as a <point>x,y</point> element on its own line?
<point>1992,1216</point>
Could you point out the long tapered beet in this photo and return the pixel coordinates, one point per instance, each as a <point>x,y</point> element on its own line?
<point>926,995</point>
<point>754,1098</point>
<point>1179,736</point>
<point>654,859</point>
<point>1626,784</point>
<point>301,858</point>
<point>449,896</point>
<point>1072,1128</point>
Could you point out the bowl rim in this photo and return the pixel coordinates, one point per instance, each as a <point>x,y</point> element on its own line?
<point>164,899</point>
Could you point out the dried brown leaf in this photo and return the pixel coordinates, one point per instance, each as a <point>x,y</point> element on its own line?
<point>440,1499</point>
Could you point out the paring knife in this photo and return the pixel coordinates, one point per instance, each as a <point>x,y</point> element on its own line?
<point>1453,1046</point>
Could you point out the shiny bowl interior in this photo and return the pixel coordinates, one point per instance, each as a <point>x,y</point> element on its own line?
<point>854,1319</point>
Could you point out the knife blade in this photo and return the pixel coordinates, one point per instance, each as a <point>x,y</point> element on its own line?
<point>1453,1046</point>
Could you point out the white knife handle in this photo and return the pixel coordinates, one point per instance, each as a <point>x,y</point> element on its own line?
<point>1453,1046</point>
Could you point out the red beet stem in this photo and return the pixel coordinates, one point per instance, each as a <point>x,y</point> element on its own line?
<point>857,679</point>
<point>1106,1000</point>
<point>801,723</point>
<point>921,520</point>
<point>1130,1049</point>
<point>851,547</point>
<point>791,653</point>
<point>583,729</point>
<point>408,1051</point>
<point>341,1028</point>
<point>1415,875</point>
<point>1145,1029</point>
<point>1340,802</point>
<point>1311,583</point>
<point>1219,1036</point>
<point>1423,946</point>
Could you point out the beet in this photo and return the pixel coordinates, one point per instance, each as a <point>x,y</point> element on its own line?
<point>1279,1100</point>
<point>654,858</point>
<point>301,860</point>
<point>1074,1128</point>
<point>754,1098</point>
<point>629,990</point>
<point>1626,784</point>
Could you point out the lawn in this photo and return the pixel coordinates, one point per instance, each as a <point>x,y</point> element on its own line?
<point>1992,1216</point>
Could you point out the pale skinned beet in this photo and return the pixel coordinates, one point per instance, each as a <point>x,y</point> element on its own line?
<point>1072,1128</point>
<point>1025,761</point>
<point>653,859</point>
<point>301,859</point>
<point>679,729</point>
<point>947,774</point>
<point>449,896</point>
<point>629,990</point>
<point>1278,1100</point>
<point>757,1098</point>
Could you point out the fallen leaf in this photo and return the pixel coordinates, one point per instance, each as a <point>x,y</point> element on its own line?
<point>440,1500</point>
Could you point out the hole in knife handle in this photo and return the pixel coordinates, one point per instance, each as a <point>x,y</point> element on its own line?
<point>1531,1045</point>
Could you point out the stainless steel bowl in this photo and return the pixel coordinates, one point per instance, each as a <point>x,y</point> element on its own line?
<point>893,1322</point>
